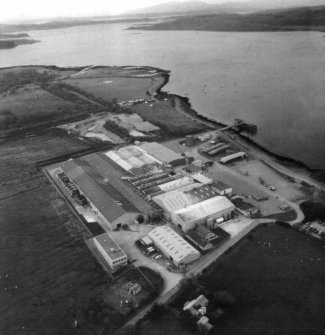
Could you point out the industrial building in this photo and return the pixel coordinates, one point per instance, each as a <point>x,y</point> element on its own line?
<point>110,250</point>
<point>176,184</point>
<point>183,197</point>
<point>133,159</point>
<point>173,246</point>
<point>233,157</point>
<point>205,239</point>
<point>205,212</point>
<point>163,154</point>
<point>201,178</point>
<point>105,200</point>
<point>222,188</point>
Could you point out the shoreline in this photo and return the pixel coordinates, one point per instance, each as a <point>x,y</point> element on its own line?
<point>188,109</point>
<point>287,161</point>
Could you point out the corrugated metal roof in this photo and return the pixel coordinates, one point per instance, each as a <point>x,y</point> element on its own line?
<point>172,243</point>
<point>160,152</point>
<point>201,178</point>
<point>202,193</point>
<point>219,185</point>
<point>240,154</point>
<point>100,196</point>
<point>175,184</point>
<point>177,199</point>
<point>204,209</point>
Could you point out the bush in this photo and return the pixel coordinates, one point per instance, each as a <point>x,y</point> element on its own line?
<point>115,128</point>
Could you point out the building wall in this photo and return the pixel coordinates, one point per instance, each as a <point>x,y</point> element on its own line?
<point>127,218</point>
<point>188,259</point>
<point>185,260</point>
<point>186,226</point>
<point>102,217</point>
<point>112,263</point>
<point>178,162</point>
<point>226,192</point>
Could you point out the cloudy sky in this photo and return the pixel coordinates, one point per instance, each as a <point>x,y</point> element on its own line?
<point>30,9</point>
<point>26,9</point>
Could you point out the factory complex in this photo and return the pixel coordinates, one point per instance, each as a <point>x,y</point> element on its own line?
<point>149,183</point>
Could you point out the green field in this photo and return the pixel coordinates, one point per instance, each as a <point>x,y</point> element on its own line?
<point>277,278</point>
<point>165,116</point>
<point>31,104</point>
<point>107,88</point>
<point>47,276</point>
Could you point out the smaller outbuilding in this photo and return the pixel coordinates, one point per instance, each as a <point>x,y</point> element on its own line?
<point>173,246</point>
<point>245,208</point>
<point>195,306</point>
<point>233,157</point>
<point>110,250</point>
<point>221,188</point>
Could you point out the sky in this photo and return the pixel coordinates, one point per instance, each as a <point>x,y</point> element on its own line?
<point>20,10</point>
<point>30,9</point>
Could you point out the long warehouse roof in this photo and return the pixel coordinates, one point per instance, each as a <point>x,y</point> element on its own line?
<point>98,195</point>
<point>160,152</point>
<point>172,243</point>
<point>176,199</point>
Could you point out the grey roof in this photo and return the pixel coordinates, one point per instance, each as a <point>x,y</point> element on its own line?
<point>160,152</point>
<point>201,193</point>
<point>112,249</point>
<point>221,186</point>
<point>102,196</point>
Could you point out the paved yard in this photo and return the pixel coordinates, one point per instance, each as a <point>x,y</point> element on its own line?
<point>126,240</point>
<point>256,169</point>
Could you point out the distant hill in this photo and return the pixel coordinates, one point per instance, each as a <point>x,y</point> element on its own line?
<point>174,7</point>
<point>213,6</point>
<point>307,18</point>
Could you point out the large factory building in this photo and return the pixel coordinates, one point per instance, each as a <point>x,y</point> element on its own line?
<point>109,205</point>
<point>173,246</point>
<point>183,197</point>
<point>163,154</point>
<point>205,212</point>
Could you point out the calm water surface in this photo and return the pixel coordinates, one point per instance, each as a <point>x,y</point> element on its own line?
<point>275,80</point>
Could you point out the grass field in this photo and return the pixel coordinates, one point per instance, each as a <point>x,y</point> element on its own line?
<point>18,158</point>
<point>164,115</point>
<point>107,88</point>
<point>277,277</point>
<point>47,273</point>
<point>31,102</point>
<point>47,276</point>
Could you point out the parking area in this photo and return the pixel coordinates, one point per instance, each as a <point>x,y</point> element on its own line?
<point>256,172</point>
<point>127,239</point>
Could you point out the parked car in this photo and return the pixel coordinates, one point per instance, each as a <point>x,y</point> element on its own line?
<point>284,207</point>
<point>272,188</point>
<point>156,257</point>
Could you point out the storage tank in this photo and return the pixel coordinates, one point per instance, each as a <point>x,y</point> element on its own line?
<point>189,140</point>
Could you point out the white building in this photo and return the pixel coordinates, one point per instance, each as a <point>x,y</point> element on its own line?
<point>200,213</point>
<point>201,178</point>
<point>176,184</point>
<point>173,246</point>
<point>163,154</point>
<point>175,200</point>
<point>110,250</point>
